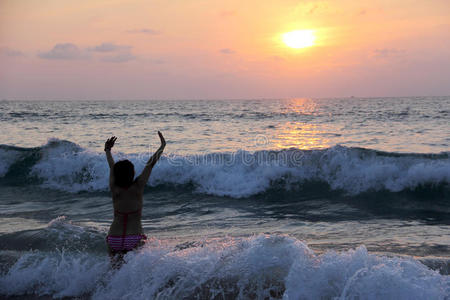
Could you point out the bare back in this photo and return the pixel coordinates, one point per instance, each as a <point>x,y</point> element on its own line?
<point>127,201</point>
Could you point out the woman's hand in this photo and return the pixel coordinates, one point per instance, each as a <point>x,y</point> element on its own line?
<point>163,141</point>
<point>110,143</point>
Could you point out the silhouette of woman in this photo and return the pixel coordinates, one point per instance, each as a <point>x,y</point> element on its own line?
<point>126,231</point>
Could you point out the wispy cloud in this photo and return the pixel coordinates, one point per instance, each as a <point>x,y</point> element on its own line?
<point>362,12</point>
<point>144,31</point>
<point>158,61</point>
<point>63,51</point>
<point>108,52</point>
<point>109,47</point>
<point>388,53</point>
<point>227,51</point>
<point>10,52</point>
<point>119,58</point>
<point>312,7</point>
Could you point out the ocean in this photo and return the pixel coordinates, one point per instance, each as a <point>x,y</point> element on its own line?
<point>252,199</point>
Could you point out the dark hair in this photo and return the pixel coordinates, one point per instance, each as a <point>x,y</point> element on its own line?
<point>123,173</point>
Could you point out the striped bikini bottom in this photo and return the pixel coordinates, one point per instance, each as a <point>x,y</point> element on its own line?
<point>124,242</point>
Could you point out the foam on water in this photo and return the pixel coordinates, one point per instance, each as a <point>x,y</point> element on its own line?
<point>257,267</point>
<point>349,169</point>
<point>65,166</point>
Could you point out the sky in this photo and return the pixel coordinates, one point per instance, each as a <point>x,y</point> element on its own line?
<point>210,49</point>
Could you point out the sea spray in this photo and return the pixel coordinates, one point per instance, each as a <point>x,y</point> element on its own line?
<point>256,267</point>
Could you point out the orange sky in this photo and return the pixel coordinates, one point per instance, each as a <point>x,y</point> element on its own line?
<point>183,49</point>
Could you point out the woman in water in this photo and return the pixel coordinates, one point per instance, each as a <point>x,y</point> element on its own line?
<point>126,231</point>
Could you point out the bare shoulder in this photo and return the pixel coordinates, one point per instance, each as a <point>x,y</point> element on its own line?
<point>139,183</point>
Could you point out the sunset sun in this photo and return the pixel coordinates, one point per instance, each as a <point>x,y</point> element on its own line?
<point>299,38</point>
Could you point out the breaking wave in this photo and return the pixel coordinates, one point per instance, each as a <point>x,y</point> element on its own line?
<point>63,165</point>
<point>258,267</point>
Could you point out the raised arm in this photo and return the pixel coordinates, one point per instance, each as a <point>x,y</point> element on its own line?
<point>108,145</point>
<point>143,178</point>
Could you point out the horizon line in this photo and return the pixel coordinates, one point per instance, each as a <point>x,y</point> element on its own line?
<point>229,99</point>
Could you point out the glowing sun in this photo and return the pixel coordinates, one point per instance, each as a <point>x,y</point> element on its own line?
<point>299,38</point>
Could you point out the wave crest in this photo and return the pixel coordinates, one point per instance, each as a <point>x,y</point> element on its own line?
<point>65,166</point>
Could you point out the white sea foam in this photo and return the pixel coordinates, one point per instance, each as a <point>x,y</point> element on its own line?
<point>58,274</point>
<point>66,166</point>
<point>257,267</point>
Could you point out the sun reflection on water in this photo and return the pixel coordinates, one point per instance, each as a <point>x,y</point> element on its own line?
<point>302,106</point>
<point>304,133</point>
<point>301,136</point>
